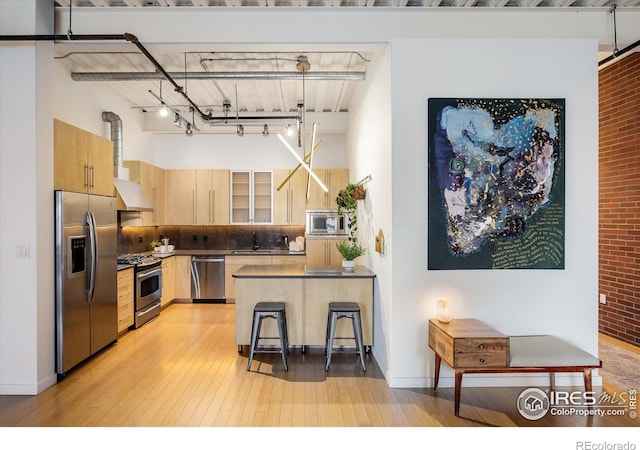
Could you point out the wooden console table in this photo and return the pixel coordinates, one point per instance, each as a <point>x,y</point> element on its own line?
<point>470,346</point>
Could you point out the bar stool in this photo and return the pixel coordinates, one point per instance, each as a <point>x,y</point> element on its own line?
<point>339,310</point>
<point>276,311</point>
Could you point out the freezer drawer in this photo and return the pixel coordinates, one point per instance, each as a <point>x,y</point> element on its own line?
<point>207,279</point>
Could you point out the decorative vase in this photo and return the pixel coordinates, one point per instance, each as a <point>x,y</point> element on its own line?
<point>348,265</point>
<point>359,193</point>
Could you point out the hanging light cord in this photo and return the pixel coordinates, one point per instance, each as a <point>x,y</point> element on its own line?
<point>615,30</point>
<point>69,32</point>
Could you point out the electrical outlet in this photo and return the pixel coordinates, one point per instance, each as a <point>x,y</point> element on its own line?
<point>195,237</point>
<point>23,251</point>
<point>140,238</point>
<point>205,237</point>
<point>603,299</point>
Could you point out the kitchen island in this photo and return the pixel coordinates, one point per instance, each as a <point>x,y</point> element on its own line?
<point>306,292</point>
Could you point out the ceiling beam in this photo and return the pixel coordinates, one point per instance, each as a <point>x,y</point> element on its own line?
<point>139,76</point>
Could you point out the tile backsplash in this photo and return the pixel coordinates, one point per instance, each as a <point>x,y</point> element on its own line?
<point>134,239</point>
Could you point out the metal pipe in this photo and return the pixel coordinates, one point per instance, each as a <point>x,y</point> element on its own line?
<point>618,53</point>
<point>63,37</point>
<point>137,76</point>
<point>134,40</point>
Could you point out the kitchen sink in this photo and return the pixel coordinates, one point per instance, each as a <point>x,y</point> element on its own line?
<point>251,252</point>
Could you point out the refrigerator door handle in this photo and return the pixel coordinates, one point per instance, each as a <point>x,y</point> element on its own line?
<point>93,245</point>
<point>195,277</point>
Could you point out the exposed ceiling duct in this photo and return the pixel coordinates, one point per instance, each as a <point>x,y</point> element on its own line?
<point>141,76</point>
<point>131,197</point>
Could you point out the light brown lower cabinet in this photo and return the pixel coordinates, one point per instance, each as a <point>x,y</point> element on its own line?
<point>323,251</point>
<point>183,277</point>
<point>125,299</point>
<point>168,281</point>
<point>234,263</point>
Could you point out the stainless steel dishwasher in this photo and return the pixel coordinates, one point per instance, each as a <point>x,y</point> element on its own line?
<point>207,279</point>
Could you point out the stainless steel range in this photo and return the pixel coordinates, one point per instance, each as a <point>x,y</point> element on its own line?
<point>147,285</point>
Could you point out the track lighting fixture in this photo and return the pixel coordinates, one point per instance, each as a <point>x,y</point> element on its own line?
<point>177,121</point>
<point>289,130</point>
<point>240,130</point>
<point>163,111</point>
<point>265,130</point>
<point>188,130</point>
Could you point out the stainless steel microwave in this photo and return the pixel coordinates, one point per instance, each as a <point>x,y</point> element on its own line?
<point>326,222</point>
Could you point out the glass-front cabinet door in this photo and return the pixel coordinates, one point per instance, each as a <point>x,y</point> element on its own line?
<point>251,197</point>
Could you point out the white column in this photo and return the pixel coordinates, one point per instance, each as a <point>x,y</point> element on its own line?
<point>27,340</point>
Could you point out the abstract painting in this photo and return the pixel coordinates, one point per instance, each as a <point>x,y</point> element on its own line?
<point>495,183</point>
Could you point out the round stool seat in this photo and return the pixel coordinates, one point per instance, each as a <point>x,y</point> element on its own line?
<point>343,307</point>
<point>269,307</point>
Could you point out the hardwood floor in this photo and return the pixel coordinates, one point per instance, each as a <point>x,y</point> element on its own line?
<point>183,370</point>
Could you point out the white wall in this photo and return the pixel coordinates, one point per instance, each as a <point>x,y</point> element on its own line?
<point>369,154</point>
<point>558,302</point>
<point>177,151</point>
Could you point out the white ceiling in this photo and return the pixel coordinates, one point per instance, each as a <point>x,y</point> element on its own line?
<point>253,83</point>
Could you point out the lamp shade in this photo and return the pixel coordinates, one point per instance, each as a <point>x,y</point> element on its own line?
<point>443,311</point>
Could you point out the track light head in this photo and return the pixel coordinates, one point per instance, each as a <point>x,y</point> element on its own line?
<point>240,130</point>
<point>177,121</point>
<point>289,130</point>
<point>188,131</point>
<point>163,111</point>
<point>265,130</point>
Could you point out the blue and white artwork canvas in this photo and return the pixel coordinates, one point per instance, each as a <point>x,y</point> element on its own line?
<point>496,183</point>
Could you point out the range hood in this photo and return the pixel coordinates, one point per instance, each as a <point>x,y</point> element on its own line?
<point>131,197</point>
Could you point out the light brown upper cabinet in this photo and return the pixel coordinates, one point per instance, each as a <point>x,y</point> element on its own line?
<point>197,197</point>
<point>83,161</point>
<point>289,203</point>
<point>334,179</point>
<point>251,196</point>
<point>152,181</point>
<point>212,197</point>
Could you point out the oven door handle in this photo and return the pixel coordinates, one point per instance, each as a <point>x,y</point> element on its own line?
<point>152,273</point>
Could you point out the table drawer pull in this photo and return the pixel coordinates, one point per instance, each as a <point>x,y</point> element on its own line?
<point>482,360</point>
<point>480,346</point>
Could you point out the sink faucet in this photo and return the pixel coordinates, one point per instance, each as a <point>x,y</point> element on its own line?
<point>255,242</point>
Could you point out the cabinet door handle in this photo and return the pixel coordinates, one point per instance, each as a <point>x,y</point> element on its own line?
<point>93,179</point>
<point>193,206</point>
<point>86,175</point>
<point>213,206</point>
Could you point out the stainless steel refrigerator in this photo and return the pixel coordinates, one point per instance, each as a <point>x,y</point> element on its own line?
<point>86,276</point>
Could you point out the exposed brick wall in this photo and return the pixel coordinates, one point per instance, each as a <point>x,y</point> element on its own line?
<point>619,201</point>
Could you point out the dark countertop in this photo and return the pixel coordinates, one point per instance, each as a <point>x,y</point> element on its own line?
<point>300,271</point>
<point>236,252</point>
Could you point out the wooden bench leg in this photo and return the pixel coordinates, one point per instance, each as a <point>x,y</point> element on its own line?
<point>436,372</point>
<point>587,380</point>
<point>457,389</point>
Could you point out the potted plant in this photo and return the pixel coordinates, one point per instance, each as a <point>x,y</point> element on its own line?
<point>350,250</point>
<point>155,243</point>
<point>347,201</point>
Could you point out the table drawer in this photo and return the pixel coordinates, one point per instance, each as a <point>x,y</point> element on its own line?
<point>479,345</point>
<point>476,360</point>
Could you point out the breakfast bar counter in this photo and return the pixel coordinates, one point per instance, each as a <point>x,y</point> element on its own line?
<point>306,292</point>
